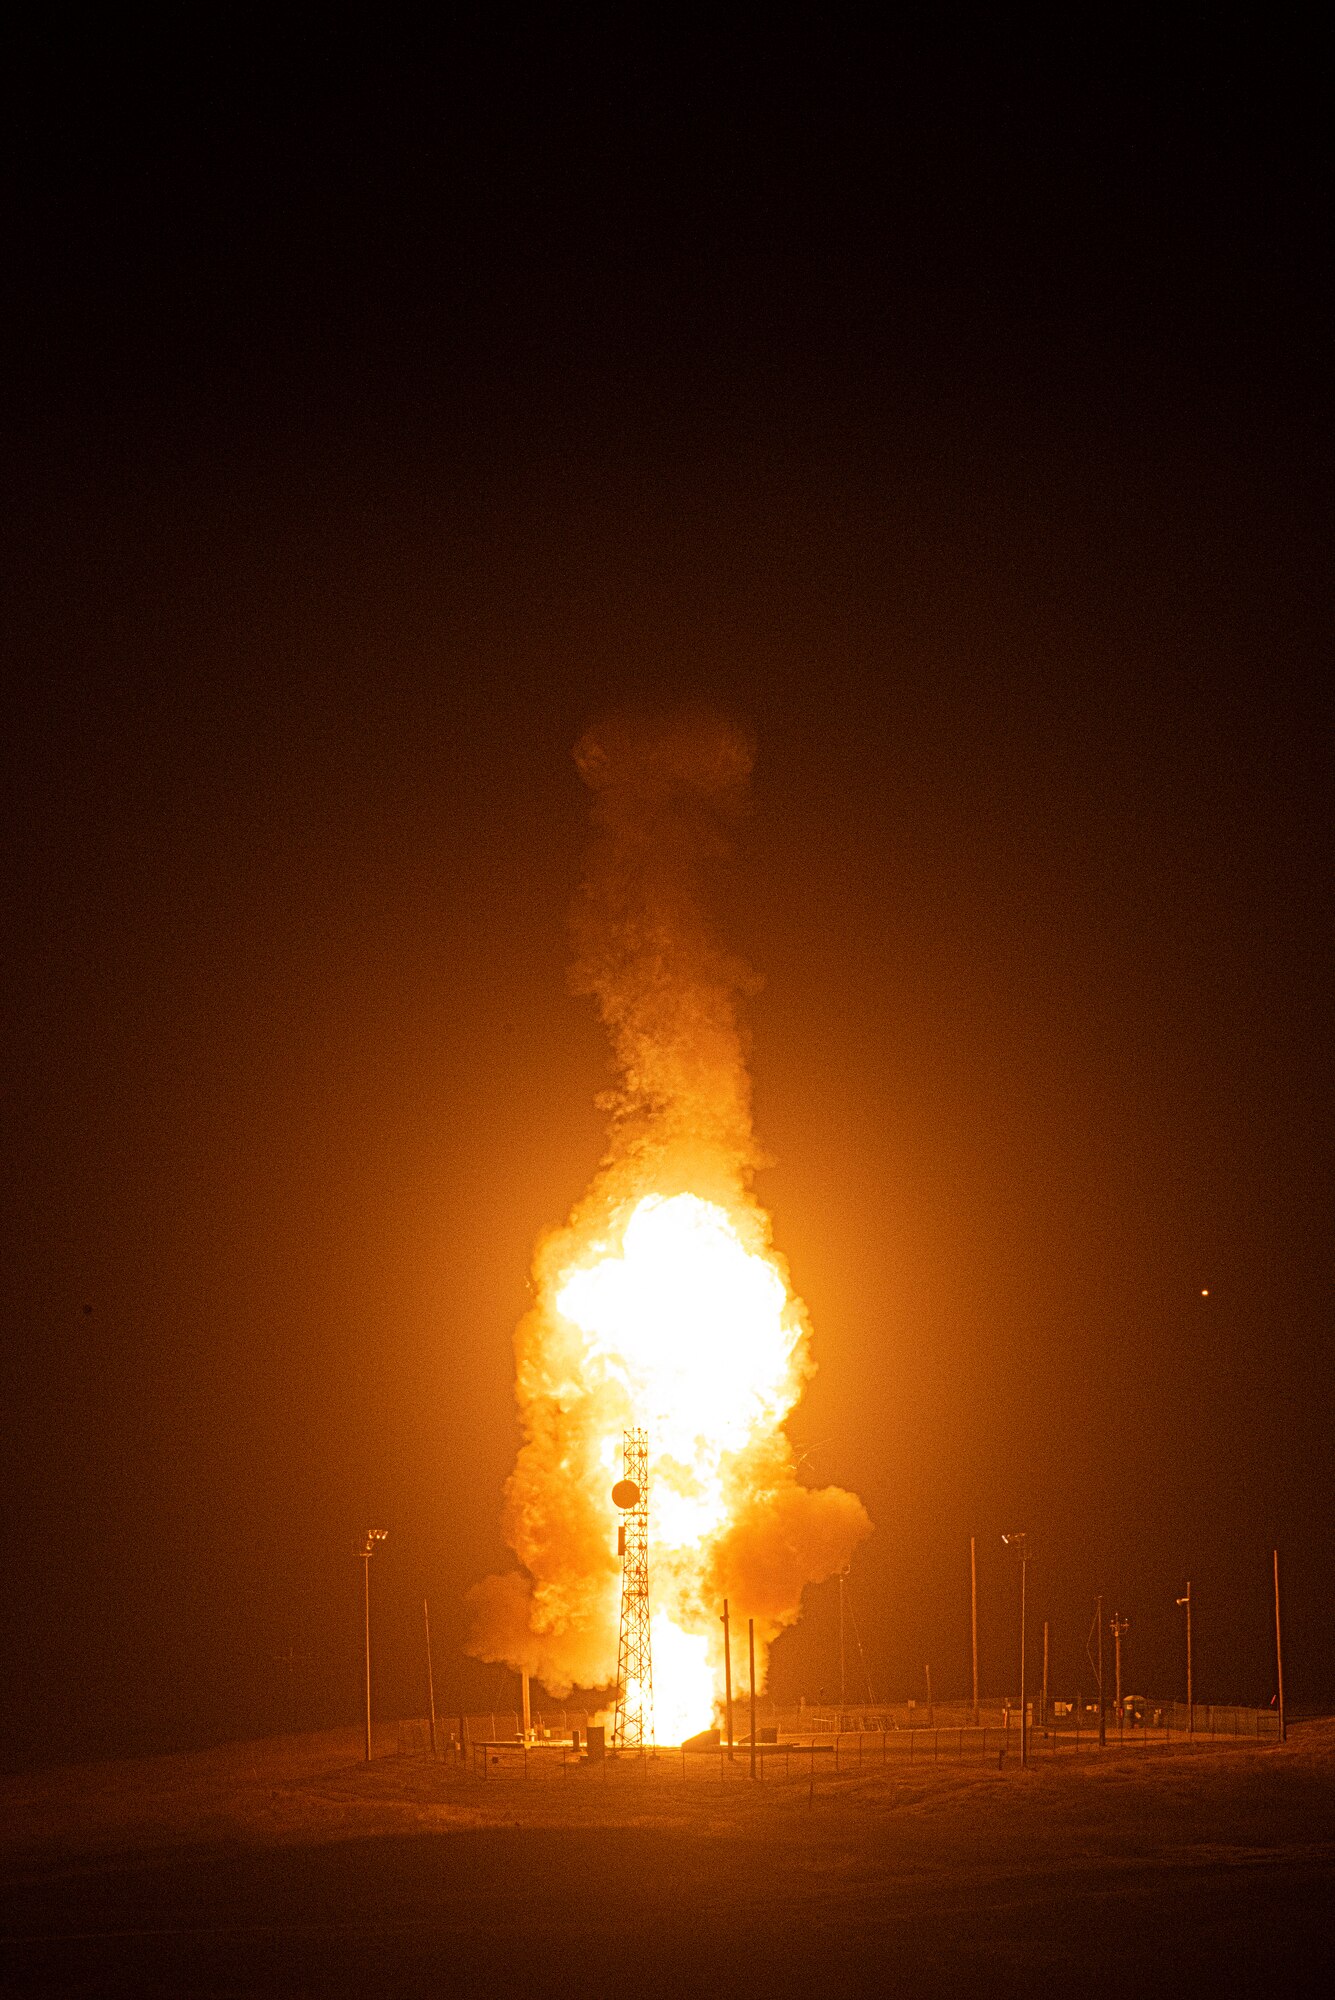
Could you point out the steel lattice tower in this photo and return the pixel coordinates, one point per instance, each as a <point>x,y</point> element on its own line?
<point>633,1724</point>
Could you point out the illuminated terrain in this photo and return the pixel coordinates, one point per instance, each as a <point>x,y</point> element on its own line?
<point>289,1866</point>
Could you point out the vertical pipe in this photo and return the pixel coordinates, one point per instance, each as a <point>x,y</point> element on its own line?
<point>727,1674</point>
<point>1279,1655</point>
<point>366,1605</point>
<point>973,1618</point>
<point>751,1645</point>
<point>430,1677</point>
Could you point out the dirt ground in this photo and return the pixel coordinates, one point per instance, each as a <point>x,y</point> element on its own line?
<point>292,1868</point>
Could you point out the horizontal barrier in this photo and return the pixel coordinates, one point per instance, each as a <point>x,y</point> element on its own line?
<point>491,1744</point>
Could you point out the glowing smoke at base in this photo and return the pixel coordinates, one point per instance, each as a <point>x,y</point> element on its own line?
<point>662,1303</point>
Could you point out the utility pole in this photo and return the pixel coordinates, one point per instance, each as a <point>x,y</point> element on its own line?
<point>1279,1655</point>
<point>370,1541</point>
<point>843,1692</point>
<point>1019,1546</point>
<point>1024,1710</point>
<point>430,1677</point>
<point>751,1646</point>
<point>973,1618</point>
<point>931,1711</point>
<point>1103,1706</point>
<point>1045,1673</point>
<point>1191,1713</point>
<point>727,1675</point>
<point>1119,1630</point>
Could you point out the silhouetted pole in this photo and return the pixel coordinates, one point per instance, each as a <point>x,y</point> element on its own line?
<point>370,1540</point>
<point>751,1646</point>
<point>1045,1673</point>
<point>1191,1714</point>
<point>727,1675</point>
<point>931,1712</point>
<point>1103,1710</point>
<point>366,1606</point>
<point>1279,1654</point>
<point>1018,1545</point>
<point>1024,1711</point>
<point>973,1619</point>
<point>843,1697</point>
<point>1119,1631</point>
<point>430,1677</point>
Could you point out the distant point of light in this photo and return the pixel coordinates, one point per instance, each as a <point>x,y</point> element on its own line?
<point>1205,1291</point>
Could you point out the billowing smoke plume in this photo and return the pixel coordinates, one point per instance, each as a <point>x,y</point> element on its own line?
<point>664,797</point>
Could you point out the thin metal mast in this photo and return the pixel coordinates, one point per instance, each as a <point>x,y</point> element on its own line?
<point>633,1723</point>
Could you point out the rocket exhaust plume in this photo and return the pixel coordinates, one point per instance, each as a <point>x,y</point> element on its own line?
<point>661,1305</point>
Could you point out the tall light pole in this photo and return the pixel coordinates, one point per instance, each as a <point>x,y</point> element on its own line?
<point>751,1649</point>
<point>973,1619</point>
<point>727,1675</point>
<point>370,1541</point>
<point>1119,1629</point>
<point>843,1695</point>
<point>1018,1546</point>
<point>1279,1655</point>
<point>1191,1714</point>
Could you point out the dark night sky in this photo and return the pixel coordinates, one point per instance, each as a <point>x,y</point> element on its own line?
<point>375,416</point>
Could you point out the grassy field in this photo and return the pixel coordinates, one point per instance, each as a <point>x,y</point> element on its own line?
<point>290,1867</point>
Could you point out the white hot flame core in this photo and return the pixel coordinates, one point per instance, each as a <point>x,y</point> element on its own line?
<point>696,1331</point>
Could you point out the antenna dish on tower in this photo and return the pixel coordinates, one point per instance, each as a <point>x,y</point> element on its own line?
<point>625,1495</point>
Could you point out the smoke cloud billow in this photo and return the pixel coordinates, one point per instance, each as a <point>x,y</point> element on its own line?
<point>661,1302</point>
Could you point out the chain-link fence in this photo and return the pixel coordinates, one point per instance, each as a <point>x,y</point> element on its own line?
<point>813,1742</point>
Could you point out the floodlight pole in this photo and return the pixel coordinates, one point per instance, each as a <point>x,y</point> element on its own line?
<point>1019,1546</point>
<point>1279,1654</point>
<point>430,1677</point>
<point>366,1605</point>
<point>1024,1711</point>
<point>727,1675</point>
<point>1191,1713</point>
<point>751,1644</point>
<point>1103,1710</point>
<point>1119,1631</point>
<point>843,1697</point>
<point>973,1619</point>
<point>370,1540</point>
